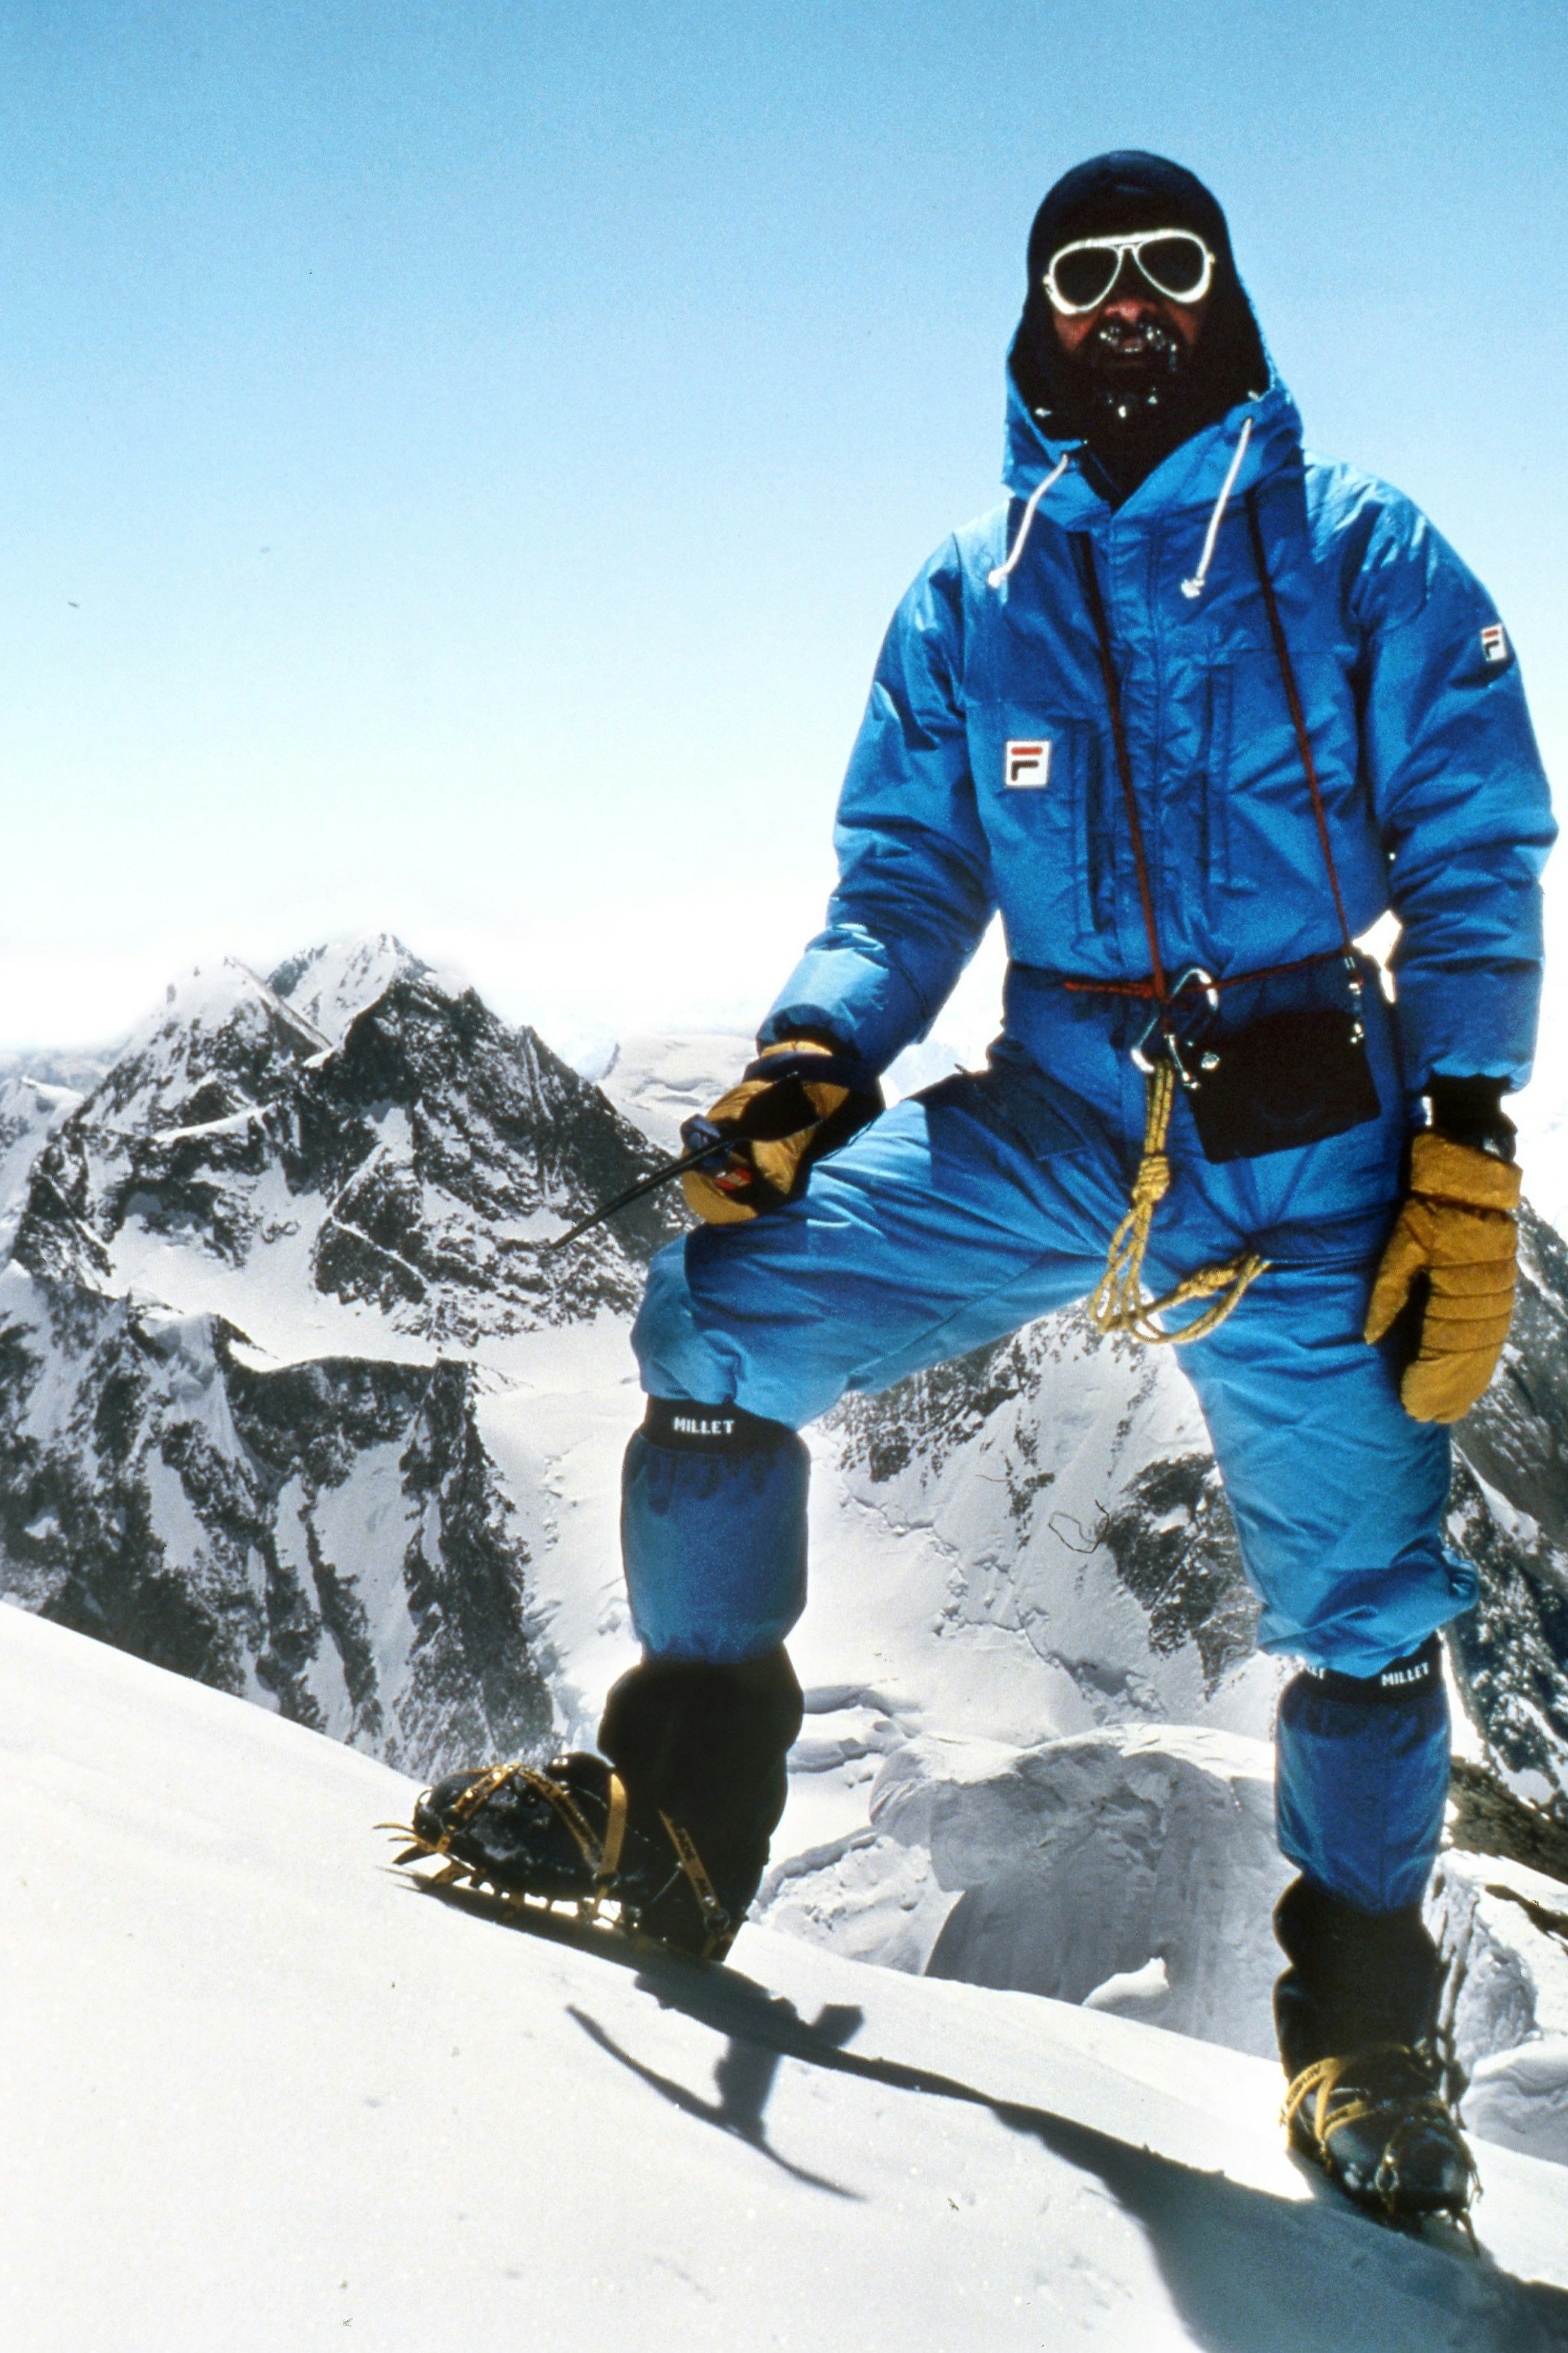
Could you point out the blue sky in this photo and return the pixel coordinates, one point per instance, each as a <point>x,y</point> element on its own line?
<point>458,456</point>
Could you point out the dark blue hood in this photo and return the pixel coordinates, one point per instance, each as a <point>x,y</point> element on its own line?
<point>1125,191</point>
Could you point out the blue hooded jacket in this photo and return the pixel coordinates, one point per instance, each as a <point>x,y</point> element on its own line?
<point>1436,801</point>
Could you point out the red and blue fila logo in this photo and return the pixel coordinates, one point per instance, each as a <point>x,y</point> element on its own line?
<point>1028,764</point>
<point>1494,643</point>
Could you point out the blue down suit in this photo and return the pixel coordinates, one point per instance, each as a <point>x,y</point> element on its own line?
<point>985,777</point>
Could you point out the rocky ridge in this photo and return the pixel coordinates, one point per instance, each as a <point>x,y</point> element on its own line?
<point>259,1277</point>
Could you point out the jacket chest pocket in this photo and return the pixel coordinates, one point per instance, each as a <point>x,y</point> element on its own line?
<point>1261,830</point>
<point>1038,779</point>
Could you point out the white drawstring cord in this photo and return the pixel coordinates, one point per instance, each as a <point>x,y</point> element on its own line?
<point>995,579</point>
<point>1194,587</point>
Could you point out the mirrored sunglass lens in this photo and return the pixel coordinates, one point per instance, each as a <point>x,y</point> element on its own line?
<point>1175,264</point>
<point>1086,276</point>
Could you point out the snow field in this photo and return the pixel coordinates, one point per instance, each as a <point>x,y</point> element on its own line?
<point>264,2094</point>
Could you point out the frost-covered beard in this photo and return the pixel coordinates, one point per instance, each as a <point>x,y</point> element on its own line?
<point>1138,376</point>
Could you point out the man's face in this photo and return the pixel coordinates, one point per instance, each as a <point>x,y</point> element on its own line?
<point>1131,326</point>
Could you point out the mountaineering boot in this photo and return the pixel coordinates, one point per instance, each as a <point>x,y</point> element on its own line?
<point>672,1824</point>
<point>1356,2013</point>
<point>702,1750</point>
<point>558,1831</point>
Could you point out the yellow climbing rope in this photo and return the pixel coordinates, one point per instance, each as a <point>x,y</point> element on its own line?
<point>1118,1304</point>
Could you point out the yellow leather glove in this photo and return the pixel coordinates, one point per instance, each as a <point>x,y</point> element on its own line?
<point>778,1121</point>
<point>1457,1229</point>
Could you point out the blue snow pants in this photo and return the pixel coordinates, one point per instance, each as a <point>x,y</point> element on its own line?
<point>968,1212</point>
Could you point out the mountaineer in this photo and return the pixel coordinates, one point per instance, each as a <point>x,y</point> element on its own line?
<point>1194,710</point>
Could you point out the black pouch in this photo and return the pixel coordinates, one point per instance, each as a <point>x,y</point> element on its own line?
<point>1284,1081</point>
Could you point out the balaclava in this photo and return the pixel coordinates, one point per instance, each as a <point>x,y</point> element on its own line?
<point>1132,419</point>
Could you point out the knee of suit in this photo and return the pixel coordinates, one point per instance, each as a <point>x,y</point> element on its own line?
<point>675,1356</point>
<point>713,1532</point>
<point>1361,1780</point>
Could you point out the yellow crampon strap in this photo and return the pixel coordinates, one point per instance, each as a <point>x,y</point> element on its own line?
<point>1118,1302</point>
<point>484,1785</point>
<point>614,1831</point>
<point>1318,2083</point>
<point>715,1919</point>
<point>603,1859</point>
<point>1323,2078</point>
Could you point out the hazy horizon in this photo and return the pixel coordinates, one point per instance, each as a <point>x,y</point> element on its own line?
<point>461,463</point>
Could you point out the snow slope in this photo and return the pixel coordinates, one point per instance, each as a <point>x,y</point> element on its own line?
<point>262,2094</point>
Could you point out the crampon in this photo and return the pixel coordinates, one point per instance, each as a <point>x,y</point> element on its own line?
<point>1377,2122</point>
<point>561,1837</point>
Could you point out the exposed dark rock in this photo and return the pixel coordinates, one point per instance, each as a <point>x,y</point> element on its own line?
<point>1486,1818</point>
<point>429,1153</point>
<point>1174,1546</point>
<point>188,1507</point>
<point>1511,1653</point>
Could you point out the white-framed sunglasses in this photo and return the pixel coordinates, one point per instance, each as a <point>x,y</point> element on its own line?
<point>1176,262</point>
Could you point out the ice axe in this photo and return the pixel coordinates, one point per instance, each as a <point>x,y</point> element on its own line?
<point>707,1147</point>
<point>782,1109</point>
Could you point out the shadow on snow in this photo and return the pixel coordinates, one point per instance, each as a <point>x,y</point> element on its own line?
<point>1248,2272</point>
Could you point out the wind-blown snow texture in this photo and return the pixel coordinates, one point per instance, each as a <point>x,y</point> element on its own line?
<point>261,2093</point>
<point>295,1400</point>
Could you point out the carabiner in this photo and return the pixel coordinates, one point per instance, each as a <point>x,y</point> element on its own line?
<point>1137,1053</point>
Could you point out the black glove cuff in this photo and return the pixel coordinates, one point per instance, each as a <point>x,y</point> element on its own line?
<point>834,1069</point>
<point>1470,1112</point>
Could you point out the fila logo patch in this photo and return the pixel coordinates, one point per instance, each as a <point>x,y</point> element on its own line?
<point>1027,765</point>
<point>1494,643</point>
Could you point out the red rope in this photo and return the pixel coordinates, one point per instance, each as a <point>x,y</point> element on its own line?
<point>1298,716</point>
<point>1145,988</point>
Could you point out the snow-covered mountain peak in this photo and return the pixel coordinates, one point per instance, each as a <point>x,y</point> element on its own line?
<point>331,986</point>
<point>264,1288</point>
<point>418,1161</point>
<point>214,1013</point>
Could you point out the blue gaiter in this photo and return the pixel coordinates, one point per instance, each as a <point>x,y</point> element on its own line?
<point>1362,1778</point>
<point>714,1531</point>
